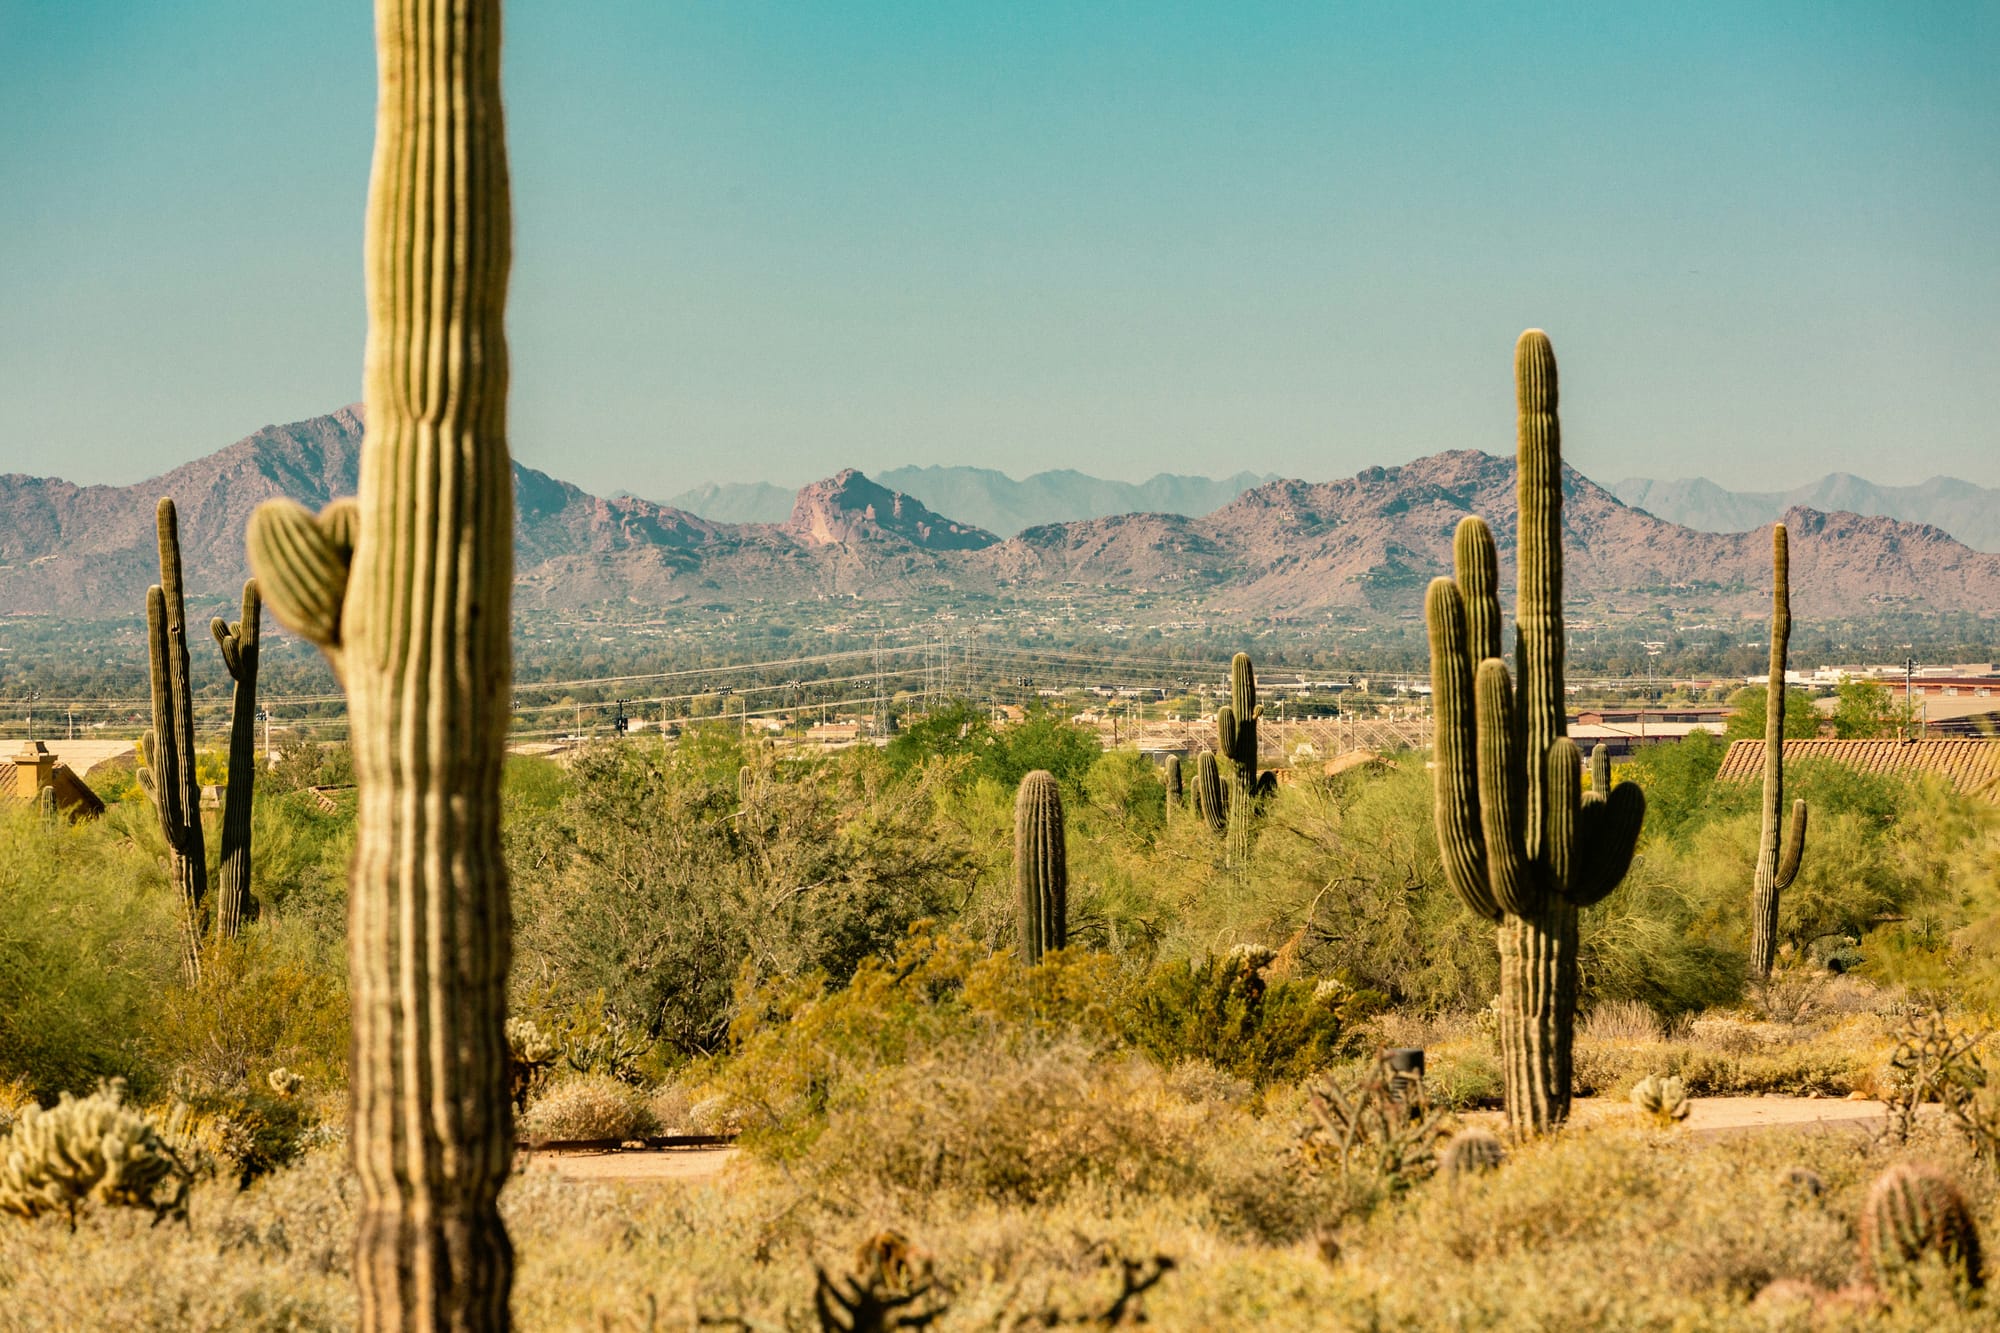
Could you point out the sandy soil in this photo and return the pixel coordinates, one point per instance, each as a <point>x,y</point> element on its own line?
<point>1709,1116</point>
<point>682,1164</point>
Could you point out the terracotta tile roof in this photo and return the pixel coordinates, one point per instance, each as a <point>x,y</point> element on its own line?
<point>1970,764</point>
<point>73,795</point>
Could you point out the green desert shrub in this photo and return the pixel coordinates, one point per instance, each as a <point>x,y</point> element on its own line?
<point>87,947</point>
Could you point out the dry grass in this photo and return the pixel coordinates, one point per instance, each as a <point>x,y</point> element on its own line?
<point>1026,1182</point>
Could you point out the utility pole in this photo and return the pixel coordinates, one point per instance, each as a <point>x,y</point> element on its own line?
<point>1909,700</point>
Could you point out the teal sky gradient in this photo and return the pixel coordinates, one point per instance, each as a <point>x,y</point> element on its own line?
<point>764,241</point>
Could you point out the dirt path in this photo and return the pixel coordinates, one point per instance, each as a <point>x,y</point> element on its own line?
<point>675,1164</point>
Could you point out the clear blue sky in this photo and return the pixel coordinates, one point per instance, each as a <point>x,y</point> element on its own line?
<point>767,241</point>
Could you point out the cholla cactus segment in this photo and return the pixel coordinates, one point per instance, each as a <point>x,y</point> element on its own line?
<point>1664,1099</point>
<point>284,1082</point>
<point>528,1044</point>
<point>1470,1152</point>
<point>1914,1211</point>
<point>89,1150</point>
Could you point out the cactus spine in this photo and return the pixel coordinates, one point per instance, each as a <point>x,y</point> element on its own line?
<point>1211,799</point>
<point>169,771</point>
<point>239,653</point>
<point>1041,866</point>
<point>419,634</point>
<point>1175,785</point>
<point>1521,844</point>
<point>1236,737</point>
<point>1775,868</point>
<point>1912,1211</point>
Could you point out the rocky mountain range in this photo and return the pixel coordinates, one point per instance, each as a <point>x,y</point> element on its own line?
<point>990,499</point>
<point>1367,543</point>
<point>1968,512</point>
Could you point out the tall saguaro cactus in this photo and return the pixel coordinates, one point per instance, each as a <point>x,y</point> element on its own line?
<point>239,653</point>
<point>1041,866</point>
<point>169,771</point>
<point>419,635</point>
<point>1175,786</point>
<point>1522,844</point>
<point>1776,868</point>
<point>1236,737</point>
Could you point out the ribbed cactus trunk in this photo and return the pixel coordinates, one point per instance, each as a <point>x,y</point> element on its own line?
<point>1236,737</point>
<point>1175,793</point>
<point>169,775</point>
<point>1211,798</point>
<point>1776,867</point>
<point>239,653</point>
<point>1041,866</point>
<point>419,636</point>
<point>1521,842</point>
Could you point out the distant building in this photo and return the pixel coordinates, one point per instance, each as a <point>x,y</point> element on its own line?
<point>1623,730</point>
<point>23,777</point>
<point>1969,765</point>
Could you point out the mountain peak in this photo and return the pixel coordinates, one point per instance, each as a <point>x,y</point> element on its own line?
<point>847,508</point>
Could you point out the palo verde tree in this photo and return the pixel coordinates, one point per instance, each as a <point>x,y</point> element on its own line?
<point>1522,844</point>
<point>408,591</point>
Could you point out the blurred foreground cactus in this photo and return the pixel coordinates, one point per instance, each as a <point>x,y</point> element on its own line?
<point>168,770</point>
<point>408,593</point>
<point>86,1150</point>
<point>1913,1212</point>
<point>1041,866</point>
<point>1521,843</point>
<point>238,642</point>
<point>1775,868</point>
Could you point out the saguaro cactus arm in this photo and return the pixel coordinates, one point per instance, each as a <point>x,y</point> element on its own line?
<point>238,643</point>
<point>302,564</point>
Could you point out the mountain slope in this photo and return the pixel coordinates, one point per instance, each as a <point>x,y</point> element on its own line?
<point>1367,543</point>
<point>1968,512</point>
<point>985,498</point>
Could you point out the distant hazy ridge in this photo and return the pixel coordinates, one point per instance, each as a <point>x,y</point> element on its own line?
<point>1968,512</point>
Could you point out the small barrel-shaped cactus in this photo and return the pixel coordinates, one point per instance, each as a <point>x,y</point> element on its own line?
<point>1913,1211</point>
<point>1470,1152</point>
<point>1041,866</point>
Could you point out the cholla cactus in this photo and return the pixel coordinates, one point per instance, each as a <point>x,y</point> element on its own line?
<point>284,1082</point>
<point>1913,1211</point>
<point>530,1054</point>
<point>1664,1099</point>
<point>90,1149</point>
<point>1470,1152</point>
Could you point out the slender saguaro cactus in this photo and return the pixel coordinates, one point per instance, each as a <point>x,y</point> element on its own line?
<point>169,773</point>
<point>1776,869</point>
<point>1041,866</point>
<point>1175,785</point>
<point>1236,737</point>
<point>239,653</point>
<point>419,635</point>
<point>1521,843</point>
<point>1211,798</point>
